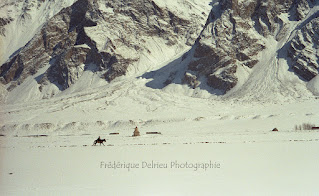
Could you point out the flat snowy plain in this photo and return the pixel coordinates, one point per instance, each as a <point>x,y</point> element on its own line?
<point>46,146</point>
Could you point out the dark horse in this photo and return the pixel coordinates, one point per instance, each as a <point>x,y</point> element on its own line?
<point>98,140</point>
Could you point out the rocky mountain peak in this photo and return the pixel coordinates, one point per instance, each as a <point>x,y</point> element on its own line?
<point>237,32</point>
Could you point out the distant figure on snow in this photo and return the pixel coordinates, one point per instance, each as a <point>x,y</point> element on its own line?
<point>136,132</point>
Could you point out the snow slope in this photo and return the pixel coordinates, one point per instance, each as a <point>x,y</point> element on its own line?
<point>313,86</point>
<point>28,18</point>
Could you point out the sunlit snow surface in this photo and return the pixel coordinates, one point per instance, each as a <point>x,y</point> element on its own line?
<point>46,144</point>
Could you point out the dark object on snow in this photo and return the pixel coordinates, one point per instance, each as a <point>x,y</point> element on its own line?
<point>99,140</point>
<point>153,133</point>
<point>114,133</point>
<point>36,136</point>
<point>275,129</point>
<point>136,132</point>
<point>314,128</point>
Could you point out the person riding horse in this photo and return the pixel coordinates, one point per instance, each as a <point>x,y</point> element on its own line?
<point>99,140</point>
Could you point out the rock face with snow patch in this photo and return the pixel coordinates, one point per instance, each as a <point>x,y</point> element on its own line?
<point>3,23</point>
<point>56,44</point>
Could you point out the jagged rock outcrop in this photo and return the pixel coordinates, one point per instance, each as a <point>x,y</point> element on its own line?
<point>191,80</point>
<point>4,22</point>
<point>304,50</point>
<point>105,37</point>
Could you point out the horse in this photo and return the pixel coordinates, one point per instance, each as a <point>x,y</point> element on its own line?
<point>99,141</point>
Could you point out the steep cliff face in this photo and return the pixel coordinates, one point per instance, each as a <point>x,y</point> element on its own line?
<point>303,50</point>
<point>237,32</point>
<point>103,37</point>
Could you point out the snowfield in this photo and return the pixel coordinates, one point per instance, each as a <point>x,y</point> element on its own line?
<point>47,145</point>
<point>286,168</point>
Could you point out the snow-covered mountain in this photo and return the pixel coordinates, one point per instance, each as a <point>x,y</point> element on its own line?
<point>20,20</point>
<point>110,39</point>
<point>247,46</point>
<point>231,81</point>
<point>252,49</point>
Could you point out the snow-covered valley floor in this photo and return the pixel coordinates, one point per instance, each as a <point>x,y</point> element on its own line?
<point>275,168</point>
<point>46,146</point>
